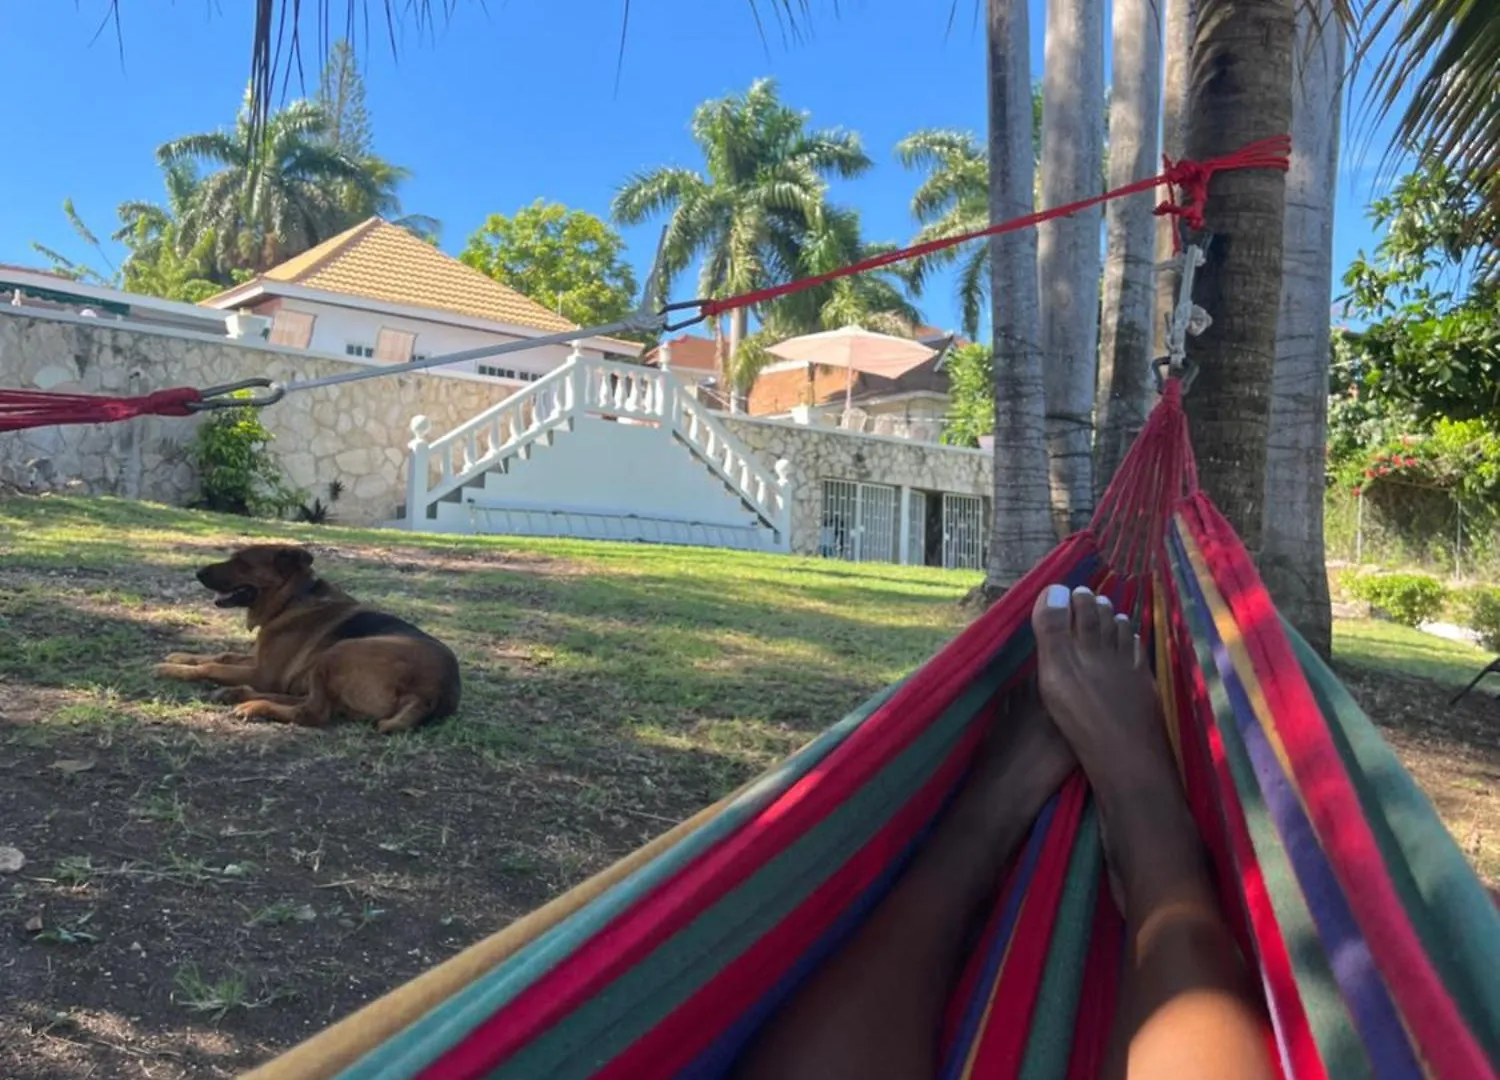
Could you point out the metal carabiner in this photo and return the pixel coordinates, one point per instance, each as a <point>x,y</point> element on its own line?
<point>218,397</point>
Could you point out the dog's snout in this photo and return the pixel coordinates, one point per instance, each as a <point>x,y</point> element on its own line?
<point>204,574</point>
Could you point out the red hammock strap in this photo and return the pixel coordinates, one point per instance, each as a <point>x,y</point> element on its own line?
<point>1190,177</point>
<point>39,408</point>
<point>1158,472</point>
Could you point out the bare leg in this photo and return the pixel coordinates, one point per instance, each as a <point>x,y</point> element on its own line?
<point>1188,1007</point>
<point>875,1009</point>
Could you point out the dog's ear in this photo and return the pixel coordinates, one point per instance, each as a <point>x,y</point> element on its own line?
<point>292,560</point>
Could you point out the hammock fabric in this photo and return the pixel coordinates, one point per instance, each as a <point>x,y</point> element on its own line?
<point>1378,949</point>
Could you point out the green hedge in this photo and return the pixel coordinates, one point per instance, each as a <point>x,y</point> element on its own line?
<point>1409,599</point>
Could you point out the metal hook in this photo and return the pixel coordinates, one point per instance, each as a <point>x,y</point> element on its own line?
<point>219,397</point>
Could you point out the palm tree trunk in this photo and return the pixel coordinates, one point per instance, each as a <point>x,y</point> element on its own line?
<point>1022,532</point>
<point>1241,90</point>
<point>1125,383</point>
<point>739,320</point>
<point>1068,249</point>
<point>1292,558</point>
<point>1181,26</point>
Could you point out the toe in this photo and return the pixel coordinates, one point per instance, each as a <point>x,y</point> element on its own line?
<point>1124,635</point>
<point>1087,613</point>
<point>1050,616</point>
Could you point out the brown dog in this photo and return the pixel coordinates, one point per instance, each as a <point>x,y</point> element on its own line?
<point>318,652</point>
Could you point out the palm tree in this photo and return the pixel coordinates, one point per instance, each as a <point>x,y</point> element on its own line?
<point>1292,554</point>
<point>877,300</point>
<point>954,198</point>
<point>276,191</point>
<point>1124,389</point>
<point>1448,56</point>
<point>1240,284</point>
<point>1068,249</point>
<point>764,186</point>
<point>1022,531</point>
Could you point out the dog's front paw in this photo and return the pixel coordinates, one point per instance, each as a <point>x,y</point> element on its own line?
<point>257,709</point>
<point>229,695</point>
<point>184,659</point>
<point>169,670</point>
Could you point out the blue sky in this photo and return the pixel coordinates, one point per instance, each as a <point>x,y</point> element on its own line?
<point>495,109</point>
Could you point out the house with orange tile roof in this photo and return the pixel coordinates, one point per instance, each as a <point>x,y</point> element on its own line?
<point>377,293</point>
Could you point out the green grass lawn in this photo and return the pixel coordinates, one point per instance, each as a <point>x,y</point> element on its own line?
<point>202,891</point>
<point>1386,646</point>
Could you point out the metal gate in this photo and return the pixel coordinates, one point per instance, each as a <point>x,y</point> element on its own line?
<point>916,528</point>
<point>859,522</point>
<point>963,532</point>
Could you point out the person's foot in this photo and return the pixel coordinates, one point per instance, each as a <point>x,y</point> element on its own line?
<point>1095,685</point>
<point>1099,693</point>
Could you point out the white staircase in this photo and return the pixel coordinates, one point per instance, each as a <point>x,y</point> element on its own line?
<point>599,450</point>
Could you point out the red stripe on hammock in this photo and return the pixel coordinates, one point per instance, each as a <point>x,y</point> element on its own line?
<point>1002,1043</point>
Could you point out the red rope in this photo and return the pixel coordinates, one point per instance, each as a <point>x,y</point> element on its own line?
<point>39,408</point>
<point>1190,177</point>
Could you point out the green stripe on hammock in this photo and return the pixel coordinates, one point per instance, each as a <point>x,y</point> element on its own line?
<point>1050,1045</point>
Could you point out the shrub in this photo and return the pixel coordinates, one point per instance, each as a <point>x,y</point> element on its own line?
<point>1409,599</point>
<point>239,473</point>
<point>1479,608</point>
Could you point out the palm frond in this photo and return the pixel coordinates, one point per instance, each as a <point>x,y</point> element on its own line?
<point>1447,54</point>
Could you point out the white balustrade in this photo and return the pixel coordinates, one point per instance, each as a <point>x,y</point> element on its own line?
<point>588,386</point>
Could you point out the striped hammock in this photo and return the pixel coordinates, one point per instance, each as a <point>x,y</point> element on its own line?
<point>1378,949</point>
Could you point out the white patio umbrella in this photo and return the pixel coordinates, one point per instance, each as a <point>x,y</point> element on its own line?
<point>854,348</point>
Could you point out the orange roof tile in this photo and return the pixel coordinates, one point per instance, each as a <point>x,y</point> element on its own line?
<point>381,261</point>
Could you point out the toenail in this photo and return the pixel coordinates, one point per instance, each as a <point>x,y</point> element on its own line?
<point>1103,600</point>
<point>1057,596</point>
<point>1083,590</point>
<point>1122,618</point>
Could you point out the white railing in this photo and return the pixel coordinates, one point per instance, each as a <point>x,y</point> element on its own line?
<point>626,393</point>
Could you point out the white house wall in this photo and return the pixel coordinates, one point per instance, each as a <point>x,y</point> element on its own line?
<point>825,453</point>
<point>337,327</point>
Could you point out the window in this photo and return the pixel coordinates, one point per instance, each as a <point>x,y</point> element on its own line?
<point>513,374</point>
<point>355,349</point>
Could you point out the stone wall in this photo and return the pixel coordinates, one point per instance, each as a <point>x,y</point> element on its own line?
<point>819,454</point>
<point>355,433</point>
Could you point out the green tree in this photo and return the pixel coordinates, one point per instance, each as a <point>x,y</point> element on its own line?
<point>877,300</point>
<point>954,198</point>
<point>1430,345</point>
<point>568,260</point>
<point>341,93</point>
<point>276,191</point>
<point>971,391</point>
<point>156,264</point>
<point>764,186</point>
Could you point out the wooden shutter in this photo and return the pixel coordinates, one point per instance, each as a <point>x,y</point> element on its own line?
<point>394,346</point>
<point>292,328</point>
